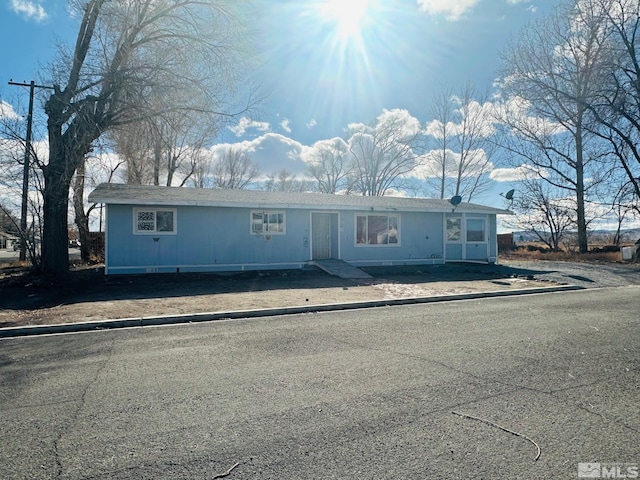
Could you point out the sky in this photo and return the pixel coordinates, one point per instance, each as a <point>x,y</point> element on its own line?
<point>326,64</point>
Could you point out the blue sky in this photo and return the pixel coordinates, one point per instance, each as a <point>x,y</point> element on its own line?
<point>404,53</point>
<point>326,63</point>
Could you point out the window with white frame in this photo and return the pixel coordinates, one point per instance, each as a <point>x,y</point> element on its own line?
<point>268,222</point>
<point>476,230</point>
<point>154,221</point>
<point>377,230</point>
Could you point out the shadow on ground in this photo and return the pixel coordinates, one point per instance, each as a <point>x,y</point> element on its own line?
<point>24,291</point>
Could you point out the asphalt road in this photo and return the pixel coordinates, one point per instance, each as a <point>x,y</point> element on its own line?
<point>344,395</point>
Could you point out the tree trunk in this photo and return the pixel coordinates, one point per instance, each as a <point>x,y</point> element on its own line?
<point>63,162</point>
<point>82,220</point>
<point>157,158</point>
<point>582,222</point>
<point>55,237</point>
<point>443,179</point>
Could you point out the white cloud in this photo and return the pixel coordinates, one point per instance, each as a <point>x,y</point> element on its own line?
<point>271,152</point>
<point>530,6</point>
<point>311,123</point>
<point>517,111</point>
<point>397,123</point>
<point>7,112</point>
<point>431,164</point>
<point>246,123</point>
<point>478,117</point>
<point>284,124</point>
<point>435,129</point>
<point>30,10</point>
<point>451,9</point>
<point>335,146</point>
<point>523,172</point>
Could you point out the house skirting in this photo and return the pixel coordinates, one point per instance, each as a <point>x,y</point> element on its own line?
<point>395,263</point>
<point>136,269</point>
<point>243,267</point>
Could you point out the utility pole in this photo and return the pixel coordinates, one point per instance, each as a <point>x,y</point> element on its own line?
<point>25,174</point>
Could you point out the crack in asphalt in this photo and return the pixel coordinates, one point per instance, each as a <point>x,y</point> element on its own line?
<point>485,381</point>
<point>76,414</point>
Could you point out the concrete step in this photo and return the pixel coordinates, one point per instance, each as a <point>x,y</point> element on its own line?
<point>341,269</point>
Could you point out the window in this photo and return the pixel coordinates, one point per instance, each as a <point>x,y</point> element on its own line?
<point>154,221</point>
<point>267,222</point>
<point>377,230</point>
<point>453,229</point>
<point>475,230</point>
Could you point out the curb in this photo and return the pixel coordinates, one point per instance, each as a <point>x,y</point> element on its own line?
<point>10,332</point>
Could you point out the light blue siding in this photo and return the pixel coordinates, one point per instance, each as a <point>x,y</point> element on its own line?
<point>420,241</point>
<point>220,239</point>
<point>207,239</point>
<point>454,252</point>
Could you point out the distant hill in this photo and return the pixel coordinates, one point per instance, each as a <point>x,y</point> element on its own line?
<point>628,235</point>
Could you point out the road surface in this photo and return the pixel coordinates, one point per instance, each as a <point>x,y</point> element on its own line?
<point>342,395</point>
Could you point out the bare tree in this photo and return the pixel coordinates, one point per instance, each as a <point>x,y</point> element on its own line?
<point>12,155</point>
<point>440,129</point>
<point>133,144</point>
<point>383,154</point>
<point>234,169</point>
<point>81,217</point>
<point>616,105</point>
<point>549,77</point>
<point>100,167</point>
<point>624,204</point>
<point>177,139</point>
<point>538,211</point>
<point>202,174</point>
<point>461,130</point>
<point>126,53</point>
<point>328,162</point>
<point>285,181</point>
<point>165,149</point>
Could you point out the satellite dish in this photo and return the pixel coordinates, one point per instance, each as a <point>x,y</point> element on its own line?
<point>455,201</point>
<point>509,194</point>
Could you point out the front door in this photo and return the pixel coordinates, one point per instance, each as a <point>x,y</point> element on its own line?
<point>320,236</point>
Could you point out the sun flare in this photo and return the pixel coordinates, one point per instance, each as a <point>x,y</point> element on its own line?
<point>347,16</point>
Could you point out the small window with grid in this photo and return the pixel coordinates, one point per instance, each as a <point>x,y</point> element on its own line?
<point>154,221</point>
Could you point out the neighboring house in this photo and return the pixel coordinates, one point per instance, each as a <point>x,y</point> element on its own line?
<point>167,229</point>
<point>7,240</point>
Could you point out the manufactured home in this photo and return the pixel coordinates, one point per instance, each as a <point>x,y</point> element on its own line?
<point>152,229</point>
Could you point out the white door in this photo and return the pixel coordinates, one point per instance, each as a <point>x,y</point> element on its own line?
<point>320,236</point>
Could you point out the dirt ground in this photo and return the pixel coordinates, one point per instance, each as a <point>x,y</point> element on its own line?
<point>88,295</point>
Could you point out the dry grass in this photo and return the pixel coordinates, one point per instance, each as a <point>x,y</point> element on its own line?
<point>538,251</point>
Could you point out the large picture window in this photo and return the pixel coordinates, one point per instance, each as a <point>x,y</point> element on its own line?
<point>154,221</point>
<point>267,222</point>
<point>377,230</point>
